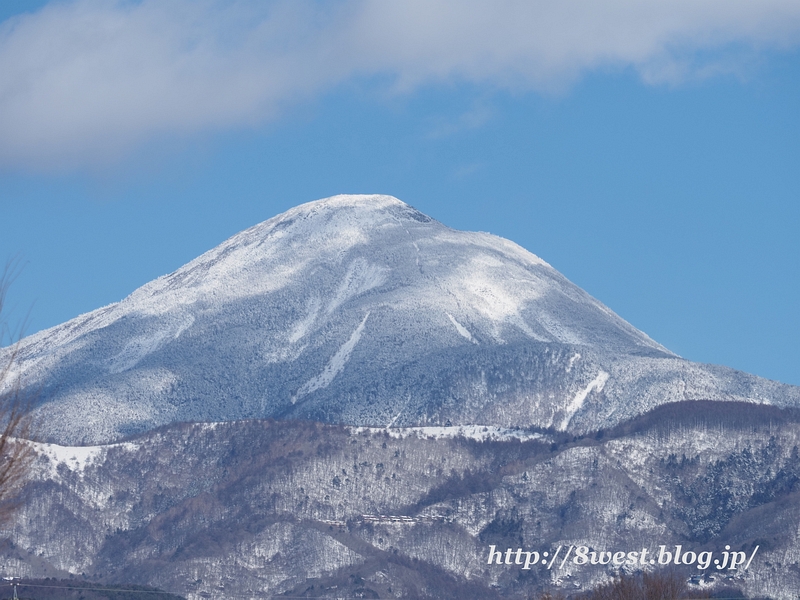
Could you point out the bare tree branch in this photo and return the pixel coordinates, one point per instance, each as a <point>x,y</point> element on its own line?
<point>16,453</point>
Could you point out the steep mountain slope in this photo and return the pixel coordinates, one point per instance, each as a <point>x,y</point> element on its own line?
<point>360,310</point>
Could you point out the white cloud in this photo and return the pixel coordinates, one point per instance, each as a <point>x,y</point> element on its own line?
<point>85,81</point>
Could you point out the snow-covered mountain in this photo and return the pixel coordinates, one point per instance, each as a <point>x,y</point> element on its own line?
<point>457,377</point>
<point>360,310</point>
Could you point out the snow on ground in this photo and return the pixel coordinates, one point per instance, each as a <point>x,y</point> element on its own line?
<point>77,458</point>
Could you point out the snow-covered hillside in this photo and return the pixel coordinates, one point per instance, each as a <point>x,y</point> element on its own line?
<point>267,509</point>
<point>361,310</point>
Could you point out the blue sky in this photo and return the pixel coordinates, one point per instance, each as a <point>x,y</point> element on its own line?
<point>650,151</point>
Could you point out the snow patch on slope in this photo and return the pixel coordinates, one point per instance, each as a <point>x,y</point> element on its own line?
<point>572,360</point>
<point>76,458</point>
<point>304,325</point>
<point>596,384</point>
<point>361,277</point>
<point>497,290</point>
<point>334,366</point>
<point>139,347</point>
<point>462,331</point>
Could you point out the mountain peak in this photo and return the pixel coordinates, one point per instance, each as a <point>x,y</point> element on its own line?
<point>364,211</point>
<point>359,201</point>
<point>357,310</point>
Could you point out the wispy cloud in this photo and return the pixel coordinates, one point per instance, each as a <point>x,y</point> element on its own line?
<point>474,118</point>
<point>85,81</point>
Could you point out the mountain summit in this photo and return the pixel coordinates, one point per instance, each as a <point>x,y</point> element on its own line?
<point>361,310</point>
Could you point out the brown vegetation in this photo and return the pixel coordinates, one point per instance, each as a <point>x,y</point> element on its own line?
<point>663,585</point>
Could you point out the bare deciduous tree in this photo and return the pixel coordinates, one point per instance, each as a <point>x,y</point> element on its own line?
<point>15,422</point>
<point>661,585</point>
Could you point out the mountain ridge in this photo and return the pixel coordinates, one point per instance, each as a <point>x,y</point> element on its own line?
<point>258,508</point>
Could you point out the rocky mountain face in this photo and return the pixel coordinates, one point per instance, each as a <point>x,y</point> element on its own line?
<point>353,400</point>
<point>360,310</point>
